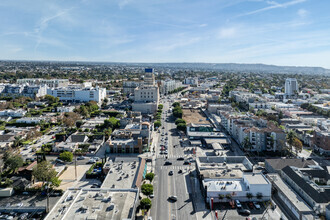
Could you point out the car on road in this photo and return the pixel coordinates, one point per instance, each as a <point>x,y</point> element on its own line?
<point>170,173</point>
<point>96,185</point>
<point>180,158</point>
<point>186,163</point>
<point>256,205</point>
<point>165,152</point>
<point>244,211</point>
<point>168,163</point>
<point>59,161</point>
<point>80,158</point>
<point>148,160</point>
<point>163,134</point>
<point>173,198</point>
<point>238,204</point>
<point>180,171</point>
<point>96,158</point>
<point>91,161</point>
<point>166,133</point>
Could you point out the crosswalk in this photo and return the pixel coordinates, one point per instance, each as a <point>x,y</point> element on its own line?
<point>171,156</point>
<point>184,168</point>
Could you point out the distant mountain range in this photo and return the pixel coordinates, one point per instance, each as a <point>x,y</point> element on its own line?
<point>225,67</point>
<point>246,68</point>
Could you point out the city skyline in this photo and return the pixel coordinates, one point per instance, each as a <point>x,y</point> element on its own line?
<point>290,32</point>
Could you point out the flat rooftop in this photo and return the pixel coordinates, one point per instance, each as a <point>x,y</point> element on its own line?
<point>122,173</point>
<point>289,193</point>
<point>95,204</point>
<point>229,162</point>
<point>228,185</point>
<point>256,178</point>
<point>194,116</point>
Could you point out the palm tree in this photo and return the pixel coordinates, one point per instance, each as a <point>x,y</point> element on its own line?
<point>249,195</point>
<point>290,139</point>
<point>228,196</point>
<point>259,195</point>
<point>221,197</point>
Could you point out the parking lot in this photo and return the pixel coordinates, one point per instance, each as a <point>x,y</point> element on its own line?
<point>225,211</point>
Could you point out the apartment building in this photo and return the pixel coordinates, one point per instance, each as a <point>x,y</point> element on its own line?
<point>321,141</point>
<point>166,86</point>
<point>15,90</point>
<point>130,86</point>
<point>78,94</point>
<point>50,83</point>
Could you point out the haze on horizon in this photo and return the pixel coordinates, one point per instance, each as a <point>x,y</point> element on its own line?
<point>280,32</point>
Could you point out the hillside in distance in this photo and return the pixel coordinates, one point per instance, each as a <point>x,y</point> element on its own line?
<point>235,67</point>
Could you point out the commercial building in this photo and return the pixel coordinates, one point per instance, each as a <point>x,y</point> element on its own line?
<point>102,203</point>
<point>293,203</point>
<point>291,87</point>
<point>311,183</point>
<point>130,86</point>
<point>77,94</point>
<point>146,97</point>
<point>50,83</point>
<point>224,179</point>
<point>201,131</point>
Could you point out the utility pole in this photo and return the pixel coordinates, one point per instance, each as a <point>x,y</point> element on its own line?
<point>75,166</point>
<point>47,208</point>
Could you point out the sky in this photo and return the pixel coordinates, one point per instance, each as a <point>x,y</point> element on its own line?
<point>279,32</point>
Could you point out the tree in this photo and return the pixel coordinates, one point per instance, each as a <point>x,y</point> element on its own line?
<point>160,106</point>
<point>14,162</point>
<point>249,195</point>
<point>157,124</point>
<point>221,197</point>
<point>290,139</point>
<point>181,126</point>
<point>147,189</point>
<point>79,123</point>
<point>176,104</point>
<point>66,156</point>
<point>70,119</point>
<point>179,120</point>
<point>18,141</point>
<point>259,195</point>
<point>145,203</point>
<point>45,172</point>
<point>228,196</point>
<point>297,145</point>
<point>150,176</point>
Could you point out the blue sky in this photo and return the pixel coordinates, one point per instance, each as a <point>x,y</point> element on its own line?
<point>280,32</point>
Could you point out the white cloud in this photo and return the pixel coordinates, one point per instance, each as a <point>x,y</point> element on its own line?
<point>273,5</point>
<point>302,13</point>
<point>227,32</point>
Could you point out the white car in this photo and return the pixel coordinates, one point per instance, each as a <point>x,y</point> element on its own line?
<point>256,205</point>
<point>96,158</point>
<point>238,204</point>
<point>92,161</point>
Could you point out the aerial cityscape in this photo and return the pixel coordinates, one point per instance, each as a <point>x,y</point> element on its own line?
<point>169,110</point>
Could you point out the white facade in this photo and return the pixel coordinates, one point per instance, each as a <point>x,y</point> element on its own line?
<point>254,183</point>
<point>51,83</point>
<point>69,94</point>
<point>13,113</point>
<point>191,81</point>
<point>65,109</point>
<point>291,87</point>
<point>130,86</point>
<point>167,86</point>
<point>14,90</point>
<point>29,120</point>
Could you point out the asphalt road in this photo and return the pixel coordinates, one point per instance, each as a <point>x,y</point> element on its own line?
<point>176,185</point>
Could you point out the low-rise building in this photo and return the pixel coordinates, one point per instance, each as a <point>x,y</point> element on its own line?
<point>29,120</point>
<point>13,113</point>
<point>78,94</point>
<point>65,108</point>
<point>321,141</point>
<point>312,184</point>
<point>50,83</point>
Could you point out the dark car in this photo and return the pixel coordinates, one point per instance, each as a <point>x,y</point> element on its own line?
<point>180,158</point>
<point>186,163</point>
<point>148,160</point>
<point>244,211</point>
<point>168,163</point>
<point>170,173</point>
<point>180,171</point>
